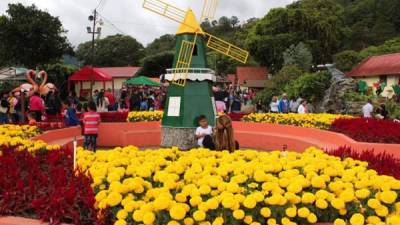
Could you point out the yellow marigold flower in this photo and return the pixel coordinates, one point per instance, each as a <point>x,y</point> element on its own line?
<point>188,221</point>
<point>294,188</point>
<point>308,198</point>
<point>373,219</point>
<point>114,198</point>
<point>248,219</point>
<point>177,212</point>
<point>339,222</point>
<point>388,197</point>
<point>138,215</point>
<point>338,203</point>
<point>199,215</point>
<point>291,212</point>
<point>149,218</point>
<point>271,221</point>
<point>362,193</point>
<point>321,204</point>
<point>265,212</point>
<point>303,212</point>
<point>249,202</point>
<point>238,214</point>
<point>173,222</point>
<point>312,218</point>
<point>357,219</point>
<point>393,220</point>
<point>120,222</point>
<point>382,211</point>
<point>373,203</point>
<point>122,214</point>
<point>318,182</point>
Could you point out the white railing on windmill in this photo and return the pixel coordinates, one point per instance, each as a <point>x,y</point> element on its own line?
<point>178,15</point>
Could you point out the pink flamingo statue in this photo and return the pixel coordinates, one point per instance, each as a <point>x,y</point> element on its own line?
<point>30,87</point>
<point>44,87</point>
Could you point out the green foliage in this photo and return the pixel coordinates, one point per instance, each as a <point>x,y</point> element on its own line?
<point>116,50</point>
<point>58,75</point>
<point>356,97</point>
<point>161,44</point>
<point>276,85</point>
<point>345,60</point>
<point>310,86</point>
<point>298,55</point>
<point>30,37</point>
<point>390,46</point>
<point>393,109</point>
<point>155,65</point>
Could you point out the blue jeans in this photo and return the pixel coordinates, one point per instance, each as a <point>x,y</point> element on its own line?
<point>3,118</point>
<point>90,140</point>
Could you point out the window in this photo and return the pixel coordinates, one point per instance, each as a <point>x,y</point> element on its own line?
<point>383,79</point>
<point>195,50</point>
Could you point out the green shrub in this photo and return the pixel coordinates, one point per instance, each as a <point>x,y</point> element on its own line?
<point>310,86</point>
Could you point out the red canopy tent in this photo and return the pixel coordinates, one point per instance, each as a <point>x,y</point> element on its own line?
<point>90,74</point>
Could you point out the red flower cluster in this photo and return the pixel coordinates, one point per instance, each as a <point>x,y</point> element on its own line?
<point>368,130</point>
<point>44,186</point>
<point>383,163</point>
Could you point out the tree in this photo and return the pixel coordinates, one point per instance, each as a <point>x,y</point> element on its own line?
<point>30,37</point>
<point>310,86</point>
<point>298,55</point>
<point>161,44</point>
<point>155,65</point>
<point>346,60</point>
<point>115,50</point>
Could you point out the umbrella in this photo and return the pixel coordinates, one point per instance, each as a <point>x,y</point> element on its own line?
<point>141,80</point>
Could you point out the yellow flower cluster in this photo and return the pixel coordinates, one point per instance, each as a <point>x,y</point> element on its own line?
<point>19,137</point>
<point>168,186</point>
<point>145,116</point>
<point>320,121</point>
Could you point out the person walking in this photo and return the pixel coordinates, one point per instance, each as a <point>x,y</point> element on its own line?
<point>36,106</point>
<point>284,105</point>
<point>368,109</point>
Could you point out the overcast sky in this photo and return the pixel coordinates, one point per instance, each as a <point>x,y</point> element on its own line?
<point>128,16</point>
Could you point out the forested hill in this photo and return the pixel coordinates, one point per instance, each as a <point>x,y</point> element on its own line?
<point>326,27</point>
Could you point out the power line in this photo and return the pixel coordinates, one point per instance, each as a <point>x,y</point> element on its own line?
<point>112,24</point>
<point>100,5</point>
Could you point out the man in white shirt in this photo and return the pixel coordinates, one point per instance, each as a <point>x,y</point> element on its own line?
<point>367,109</point>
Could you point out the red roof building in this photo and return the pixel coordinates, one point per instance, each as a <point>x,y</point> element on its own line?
<point>103,78</point>
<point>378,65</point>
<point>252,77</point>
<point>377,70</point>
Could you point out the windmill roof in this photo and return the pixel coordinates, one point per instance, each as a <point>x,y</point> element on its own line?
<point>190,24</point>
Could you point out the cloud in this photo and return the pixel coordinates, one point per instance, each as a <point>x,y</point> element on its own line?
<point>128,16</point>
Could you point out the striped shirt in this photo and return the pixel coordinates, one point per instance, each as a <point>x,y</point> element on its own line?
<point>91,121</point>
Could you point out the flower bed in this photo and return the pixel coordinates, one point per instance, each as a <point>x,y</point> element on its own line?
<point>18,137</point>
<point>383,163</point>
<point>141,116</point>
<point>168,186</point>
<point>321,121</point>
<point>368,130</point>
<point>44,186</point>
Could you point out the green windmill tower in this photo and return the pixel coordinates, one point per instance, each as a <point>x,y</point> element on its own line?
<point>190,92</point>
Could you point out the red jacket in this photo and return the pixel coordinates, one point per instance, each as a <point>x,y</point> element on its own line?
<point>110,97</point>
<point>36,103</point>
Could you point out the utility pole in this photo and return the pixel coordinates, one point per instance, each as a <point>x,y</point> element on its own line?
<point>93,31</point>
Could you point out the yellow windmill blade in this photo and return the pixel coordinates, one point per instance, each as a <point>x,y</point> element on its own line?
<point>165,9</point>
<point>209,9</point>
<point>181,70</point>
<point>226,48</point>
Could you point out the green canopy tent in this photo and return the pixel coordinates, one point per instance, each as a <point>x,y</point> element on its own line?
<point>141,80</point>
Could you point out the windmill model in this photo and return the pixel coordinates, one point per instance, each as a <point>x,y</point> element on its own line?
<point>190,91</point>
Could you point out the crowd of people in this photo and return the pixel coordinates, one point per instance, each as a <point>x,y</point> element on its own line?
<point>286,105</point>
<point>369,111</point>
<point>231,100</point>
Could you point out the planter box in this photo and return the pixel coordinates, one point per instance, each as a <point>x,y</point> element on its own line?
<point>11,220</point>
